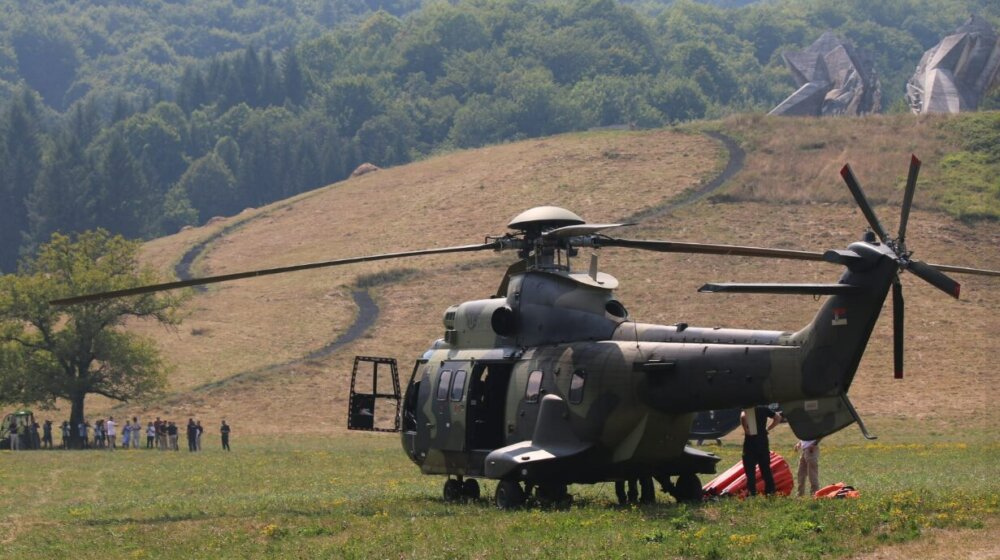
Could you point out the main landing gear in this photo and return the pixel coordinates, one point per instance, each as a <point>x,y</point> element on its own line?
<point>686,489</point>
<point>511,495</point>
<point>459,490</point>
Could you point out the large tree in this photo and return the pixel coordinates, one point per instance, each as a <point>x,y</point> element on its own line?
<point>49,353</point>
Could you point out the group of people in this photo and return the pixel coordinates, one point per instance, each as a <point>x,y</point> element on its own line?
<point>160,434</point>
<point>24,435</point>
<point>103,434</point>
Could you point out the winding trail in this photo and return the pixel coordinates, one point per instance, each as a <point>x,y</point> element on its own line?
<point>367,308</point>
<point>735,162</point>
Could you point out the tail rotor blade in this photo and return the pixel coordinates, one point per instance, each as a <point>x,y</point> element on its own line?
<point>897,328</point>
<point>862,200</point>
<point>911,185</point>
<point>935,277</point>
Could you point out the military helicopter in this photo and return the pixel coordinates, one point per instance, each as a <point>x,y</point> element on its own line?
<point>550,382</point>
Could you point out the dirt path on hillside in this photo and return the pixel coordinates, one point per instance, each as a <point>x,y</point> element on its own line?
<point>367,308</point>
<point>736,157</point>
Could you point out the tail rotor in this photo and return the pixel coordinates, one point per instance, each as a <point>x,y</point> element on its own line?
<point>920,269</point>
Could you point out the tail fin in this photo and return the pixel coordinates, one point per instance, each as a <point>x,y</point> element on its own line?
<point>835,340</point>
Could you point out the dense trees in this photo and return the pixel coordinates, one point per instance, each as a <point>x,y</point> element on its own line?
<point>142,117</point>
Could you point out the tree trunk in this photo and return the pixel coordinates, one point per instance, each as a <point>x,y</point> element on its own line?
<point>75,419</point>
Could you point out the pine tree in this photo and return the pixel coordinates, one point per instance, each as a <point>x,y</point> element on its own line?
<point>22,149</point>
<point>124,204</point>
<point>62,198</point>
<point>295,84</point>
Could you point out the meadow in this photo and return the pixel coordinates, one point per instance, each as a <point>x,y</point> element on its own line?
<point>357,496</point>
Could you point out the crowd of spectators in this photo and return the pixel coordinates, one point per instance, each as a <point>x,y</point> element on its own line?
<point>104,433</point>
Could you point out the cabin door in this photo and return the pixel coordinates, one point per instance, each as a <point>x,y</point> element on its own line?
<point>449,406</point>
<point>487,400</point>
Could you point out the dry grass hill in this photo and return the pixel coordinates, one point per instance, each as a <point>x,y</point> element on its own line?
<point>788,194</point>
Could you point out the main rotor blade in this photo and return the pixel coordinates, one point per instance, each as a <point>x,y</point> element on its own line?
<point>708,249</point>
<point>897,328</point>
<point>265,272</point>
<point>862,200</point>
<point>965,269</point>
<point>580,229</point>
<point>936,278</point>
<point>911,186</point>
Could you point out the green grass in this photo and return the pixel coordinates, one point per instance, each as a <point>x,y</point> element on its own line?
<point>357,496</point>
<point>971,177</point>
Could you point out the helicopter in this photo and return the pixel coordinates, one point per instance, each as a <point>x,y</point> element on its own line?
<point>550,381</point>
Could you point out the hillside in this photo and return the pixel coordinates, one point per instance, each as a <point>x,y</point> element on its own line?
<point>144,117</point>
<point>223,350</point>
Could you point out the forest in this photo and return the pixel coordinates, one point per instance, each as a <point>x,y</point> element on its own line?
<point>147,116</point>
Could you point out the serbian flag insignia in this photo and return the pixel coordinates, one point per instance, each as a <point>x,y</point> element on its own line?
<point>839,316</point>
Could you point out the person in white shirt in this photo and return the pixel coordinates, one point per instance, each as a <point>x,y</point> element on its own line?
<point>808,465</point>
<point>109,428</point>
<point>136,432</point>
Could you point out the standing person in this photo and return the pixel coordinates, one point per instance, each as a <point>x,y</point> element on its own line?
<point>172,433</point>
<point>36,440</point>
<point>150,435</point>
<point>126,435</point>
<point>808,465</point>
<point>192,433</point>
<point>197,435</point>
<point>47,434</point>
<point>99,433</point>
<point>65,434</point>
<point>136,432</point>
<point>161,434</point>
<point>110,428</point>
<point>84,436</point>
<point>224,430</point>
<point>756,447</point>
<point>15,438</point>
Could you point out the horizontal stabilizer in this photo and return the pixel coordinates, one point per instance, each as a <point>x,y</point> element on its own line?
<point>799,289</point>
<point>820,417</point>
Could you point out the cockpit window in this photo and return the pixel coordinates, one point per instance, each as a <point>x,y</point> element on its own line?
<point>576,384</point>
<point>458,387</point>
<point>534,386</point>
<point>443,382</point>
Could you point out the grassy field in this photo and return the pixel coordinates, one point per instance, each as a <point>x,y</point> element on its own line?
<point>357,496</point>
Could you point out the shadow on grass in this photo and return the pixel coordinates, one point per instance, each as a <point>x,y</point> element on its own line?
<point>156,520</point>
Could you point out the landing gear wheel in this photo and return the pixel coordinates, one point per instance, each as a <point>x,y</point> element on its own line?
<point>470,489</point>
<point>509,495</point>
<point>452,490</point>
<point>688,488</point>
<point>553,495</point>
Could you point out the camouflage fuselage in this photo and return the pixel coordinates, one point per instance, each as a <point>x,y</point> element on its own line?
<point>617,397</point>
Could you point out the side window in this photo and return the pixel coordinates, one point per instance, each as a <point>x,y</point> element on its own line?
<point>576,384</point>
<point>458,387</point>
<point>534,386</point>
<point>443,382</point>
